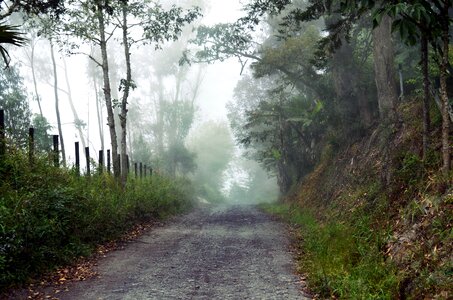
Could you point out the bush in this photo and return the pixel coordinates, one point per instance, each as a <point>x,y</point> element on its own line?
<point>50,215</point>
<point>342,260</point>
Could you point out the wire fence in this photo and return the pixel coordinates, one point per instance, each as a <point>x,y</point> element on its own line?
<point>140,170</point>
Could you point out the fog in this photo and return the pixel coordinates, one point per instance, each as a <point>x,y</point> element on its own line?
<point>177,119</point>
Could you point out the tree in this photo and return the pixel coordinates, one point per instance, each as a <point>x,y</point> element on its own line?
<point>445,20</point>
<point>279,128</point>
<point>213,146</point>
<point>31,7</point>
<point>173,91</point>
<point>254,184</point>
<point>384,59</point>
<point>429,21</point>
<point>10,34</point>
<point>151,20</point>
<point>57,103</point>
<point>178,116</point>
<point>33,41</point>
<point>42,127</point>
<point>13,99</point>
<point>95,22</point>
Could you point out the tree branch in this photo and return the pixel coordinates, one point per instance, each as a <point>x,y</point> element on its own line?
<point>10,9</point>
<point>90,57</point>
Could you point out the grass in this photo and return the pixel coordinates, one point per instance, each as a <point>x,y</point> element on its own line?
<point>49,216</point>
<point>341,259</point>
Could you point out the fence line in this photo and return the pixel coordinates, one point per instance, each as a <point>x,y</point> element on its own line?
<point>55,153</point>
<point>77,157</point>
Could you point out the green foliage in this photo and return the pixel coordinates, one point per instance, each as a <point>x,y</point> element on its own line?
<point>141,149</point>
<point>411,170</point>
<point>9,35</point>
<point>49,215</point>
<point>13,99</point>
<point>155,24</point>
<point>160,25</point>
<point>220,42</point>
<point>178,118</point>
<point>214,148</point>
<point>277,126</point>
<point>42,127</point>
<point>255,186</point>
<point>342,259</point>
<point>179,160</point>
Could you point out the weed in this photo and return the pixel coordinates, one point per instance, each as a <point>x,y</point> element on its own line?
<point>50,215</point>
<point>342,259</point>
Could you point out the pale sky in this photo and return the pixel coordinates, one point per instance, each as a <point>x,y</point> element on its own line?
<point>221,77</point>
<point>216,90</point>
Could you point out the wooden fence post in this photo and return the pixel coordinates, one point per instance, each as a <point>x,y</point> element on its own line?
<point>150,171</point>
<point>136,169</point>
<point>109,164</point>
<point>31,144</point>
<point>2,134</point>
<point>56,151</point>
<point>87,157</point>
<point>145,169</point>
<point>101,161</point>
<point>141,170</point>
<point>77,158</point>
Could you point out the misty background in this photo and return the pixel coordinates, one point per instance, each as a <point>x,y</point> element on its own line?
<point>214,160</point>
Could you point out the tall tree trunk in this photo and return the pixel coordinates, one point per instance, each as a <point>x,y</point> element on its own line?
<point>384,70</point>
<point>160,118</point>
<point>197,84</point>
<point>99,113</point>
<point>33,74</point>
<point>107,90</point>
<point>350,99</point>
<point>77,121</point>
<point>126,89</point>
<point>446,156</point>
<point>57,107</point>
<point>284,177</point>
<point>426,96</point>
<point>129,142</point>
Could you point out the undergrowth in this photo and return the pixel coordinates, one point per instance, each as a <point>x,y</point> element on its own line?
<point>375,217</point>
<point>50,215</point>
<point>341,259</point>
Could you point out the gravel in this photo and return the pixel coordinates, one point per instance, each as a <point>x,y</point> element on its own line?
<point>235,252</point>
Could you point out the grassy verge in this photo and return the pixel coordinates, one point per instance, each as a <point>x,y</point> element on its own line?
<point>50,215</point>
<point>341,259</point>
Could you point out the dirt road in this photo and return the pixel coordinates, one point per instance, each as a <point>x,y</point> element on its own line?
<point>212,253</point>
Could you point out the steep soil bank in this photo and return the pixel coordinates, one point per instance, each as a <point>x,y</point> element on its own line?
<point>380,178</point>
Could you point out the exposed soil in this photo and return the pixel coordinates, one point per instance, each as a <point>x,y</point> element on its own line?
<point>212,253</point>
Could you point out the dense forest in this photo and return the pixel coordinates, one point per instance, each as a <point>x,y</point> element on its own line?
<point>344,105</point>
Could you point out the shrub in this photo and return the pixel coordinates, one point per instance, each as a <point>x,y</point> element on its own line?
<point>342,259</point>
<point>50,215</point>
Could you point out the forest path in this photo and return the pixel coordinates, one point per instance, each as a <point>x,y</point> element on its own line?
<point>233,252</point>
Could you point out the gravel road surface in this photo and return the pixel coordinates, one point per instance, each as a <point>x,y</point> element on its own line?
<point>234,252</point>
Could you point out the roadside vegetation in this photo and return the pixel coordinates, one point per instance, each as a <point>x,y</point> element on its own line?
<point>347,104</point>
<point>357,238</point>
<point>49,216</point>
